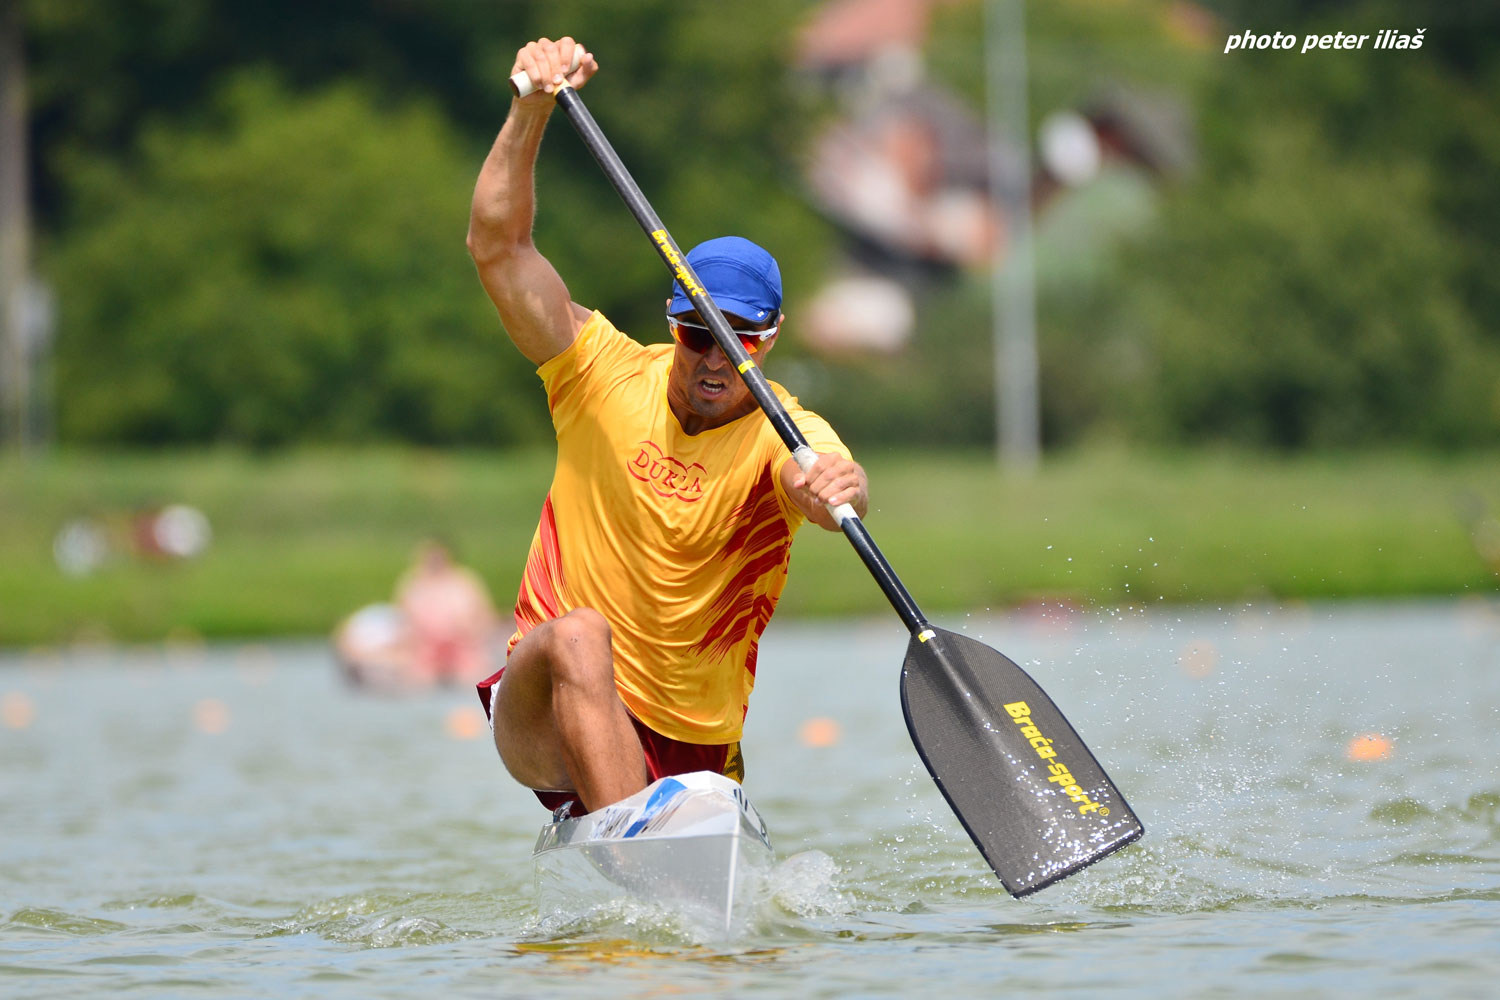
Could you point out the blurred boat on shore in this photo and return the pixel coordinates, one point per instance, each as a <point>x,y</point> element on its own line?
<point>440,628</point>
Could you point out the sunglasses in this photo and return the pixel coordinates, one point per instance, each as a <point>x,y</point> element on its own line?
<point>698,338</point>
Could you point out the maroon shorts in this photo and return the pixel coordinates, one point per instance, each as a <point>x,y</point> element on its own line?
<point>664,755</point>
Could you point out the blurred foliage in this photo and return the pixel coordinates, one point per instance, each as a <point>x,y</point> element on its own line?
<point>254,217</point>
<point>255,214</point>
<point>1323,275</point>
<point>292,268</point>
<point>1322,281</point>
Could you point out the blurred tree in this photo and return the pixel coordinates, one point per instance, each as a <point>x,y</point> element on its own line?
<point>288,268</point>
<point>100,72</point>
<point>1323,281</point>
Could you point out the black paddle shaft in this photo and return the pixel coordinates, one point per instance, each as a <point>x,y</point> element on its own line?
<point>853,528</point>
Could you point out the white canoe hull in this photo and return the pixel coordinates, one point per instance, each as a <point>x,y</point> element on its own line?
<point>691,842</point>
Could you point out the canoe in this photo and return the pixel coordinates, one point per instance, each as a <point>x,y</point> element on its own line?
<point>691,843</point>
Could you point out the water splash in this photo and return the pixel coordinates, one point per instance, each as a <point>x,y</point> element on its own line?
<point>804,885</point>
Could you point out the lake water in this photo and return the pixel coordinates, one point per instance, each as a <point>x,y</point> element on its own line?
<point>1320,787</point>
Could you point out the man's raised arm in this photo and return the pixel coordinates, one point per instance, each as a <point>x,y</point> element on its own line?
<point>533,302</point>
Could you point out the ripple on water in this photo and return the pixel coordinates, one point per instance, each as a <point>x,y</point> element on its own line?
<point>1182,873</point>
<point>1401,812</point>
<point>165,901</point>
<point>1482,809</point>
<point>370,921</point>
<point>40,919</point>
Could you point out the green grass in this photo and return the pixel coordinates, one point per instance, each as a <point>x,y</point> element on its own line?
<point>1112,528</point>
<point>301,539</point>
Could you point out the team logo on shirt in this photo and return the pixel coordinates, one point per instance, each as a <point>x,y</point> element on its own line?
<point>666,475</point>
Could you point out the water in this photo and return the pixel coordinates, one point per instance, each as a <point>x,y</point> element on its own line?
<point>231,821</point>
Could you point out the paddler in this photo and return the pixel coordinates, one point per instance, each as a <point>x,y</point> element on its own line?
<point>664,541</point>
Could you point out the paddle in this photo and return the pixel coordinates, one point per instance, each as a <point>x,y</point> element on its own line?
<point>1030,794</point>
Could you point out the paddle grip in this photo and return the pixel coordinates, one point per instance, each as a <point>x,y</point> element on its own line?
<point>805,457</point>
<point>521,84</point>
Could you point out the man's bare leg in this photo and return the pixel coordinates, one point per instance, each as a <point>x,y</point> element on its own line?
<point>559,722</point>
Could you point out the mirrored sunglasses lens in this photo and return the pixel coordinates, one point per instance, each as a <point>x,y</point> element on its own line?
<point>699,339</point>
<point>695,338</point>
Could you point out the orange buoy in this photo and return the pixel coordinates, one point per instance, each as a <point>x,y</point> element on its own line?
<point>211,716</point>
<point>819,731</point>
<point>464,723</point>
<point>17,710</point>
<point>1369,746</point>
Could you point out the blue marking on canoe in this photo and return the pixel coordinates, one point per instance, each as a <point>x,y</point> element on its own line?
<point>664,793</point>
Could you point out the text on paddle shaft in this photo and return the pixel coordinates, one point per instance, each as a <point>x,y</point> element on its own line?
<point>669,253</point>
<point>1021,713</point>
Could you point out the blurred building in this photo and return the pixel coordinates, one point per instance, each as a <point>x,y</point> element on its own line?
<point>904,170</point>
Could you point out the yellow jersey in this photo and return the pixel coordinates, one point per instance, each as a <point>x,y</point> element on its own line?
<point>681,541</point>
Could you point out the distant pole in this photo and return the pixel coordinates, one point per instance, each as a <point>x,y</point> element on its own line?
<point>15,236</point>
<point>1017,408</point>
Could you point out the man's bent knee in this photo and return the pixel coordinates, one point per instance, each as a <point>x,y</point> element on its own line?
<point>558,697</point>
<point>578,649</point>
<point>579,628</point>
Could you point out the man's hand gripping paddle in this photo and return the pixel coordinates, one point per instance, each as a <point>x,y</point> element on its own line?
<point>1031,795</point>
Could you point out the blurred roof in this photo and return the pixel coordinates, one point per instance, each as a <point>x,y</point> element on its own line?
<point>850,31</point>
<point>1154,129</point>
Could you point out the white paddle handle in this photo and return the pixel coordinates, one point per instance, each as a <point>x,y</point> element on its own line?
<point>521,84</point>
<point>805,457</point>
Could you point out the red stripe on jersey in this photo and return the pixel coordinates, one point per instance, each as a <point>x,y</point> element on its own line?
<point>537,600</point>
<point>763,539</point>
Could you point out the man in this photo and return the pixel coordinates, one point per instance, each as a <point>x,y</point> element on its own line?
<point>664,540</point>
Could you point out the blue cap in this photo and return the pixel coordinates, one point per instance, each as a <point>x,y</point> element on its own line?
<point>742,278</point>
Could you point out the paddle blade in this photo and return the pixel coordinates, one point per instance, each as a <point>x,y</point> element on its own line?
<point>1031,795</point>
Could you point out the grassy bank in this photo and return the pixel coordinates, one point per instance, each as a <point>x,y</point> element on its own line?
<point>302,539</point>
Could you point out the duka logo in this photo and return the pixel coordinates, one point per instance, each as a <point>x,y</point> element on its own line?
<point>666,475</point>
